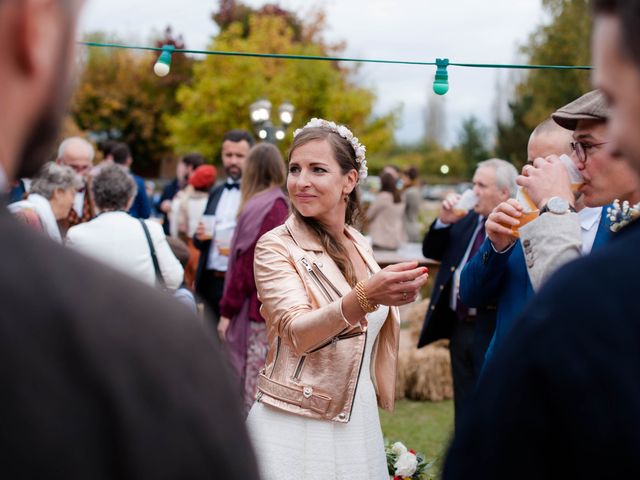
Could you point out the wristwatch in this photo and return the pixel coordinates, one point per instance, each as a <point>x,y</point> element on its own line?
<point>557,206</point>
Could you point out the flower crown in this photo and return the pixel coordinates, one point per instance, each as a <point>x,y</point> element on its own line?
<point>345,133</point>
<point>621,215</point>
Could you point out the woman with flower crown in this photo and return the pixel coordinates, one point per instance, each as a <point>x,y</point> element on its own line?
<point>332,322</point>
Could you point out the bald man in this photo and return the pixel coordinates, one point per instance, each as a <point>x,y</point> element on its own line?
<point>498,274</point>
<point>78,153</point>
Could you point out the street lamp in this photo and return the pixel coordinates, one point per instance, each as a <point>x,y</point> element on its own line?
<point>260,113</point>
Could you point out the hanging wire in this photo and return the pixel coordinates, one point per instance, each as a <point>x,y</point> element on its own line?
<point>337,59</point>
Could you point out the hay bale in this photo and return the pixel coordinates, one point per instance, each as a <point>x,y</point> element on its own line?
<point>413,317</point>
<point>429,378</point>
<point>423,374</point>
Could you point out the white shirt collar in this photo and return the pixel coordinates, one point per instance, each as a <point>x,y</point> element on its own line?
<point>589,217</point>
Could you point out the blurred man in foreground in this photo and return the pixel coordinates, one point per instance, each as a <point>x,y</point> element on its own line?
<point>101,376</point>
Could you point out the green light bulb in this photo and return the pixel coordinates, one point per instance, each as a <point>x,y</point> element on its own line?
<point>441,81</point>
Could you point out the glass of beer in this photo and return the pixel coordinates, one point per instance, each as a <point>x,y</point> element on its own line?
<point>575,177</point>
<point>209,222</point>
<point>467,201</point>
<point>530,211</point>
<point>224,234</point>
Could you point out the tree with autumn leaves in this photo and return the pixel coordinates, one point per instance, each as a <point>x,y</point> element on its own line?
<point>191,108</point>
<point>224,87</point>
<point>120,98</point>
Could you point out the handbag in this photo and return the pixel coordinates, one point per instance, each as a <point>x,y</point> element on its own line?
<point>156,266</point>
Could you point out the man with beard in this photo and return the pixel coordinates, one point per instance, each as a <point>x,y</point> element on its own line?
<point>101,376</point>
<point>562,399</point>
<point>223,203</point>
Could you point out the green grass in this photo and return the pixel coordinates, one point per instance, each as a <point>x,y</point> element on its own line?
<point>425,427</point>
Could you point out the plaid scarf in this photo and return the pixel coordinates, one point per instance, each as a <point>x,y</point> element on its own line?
<point>87,212</point>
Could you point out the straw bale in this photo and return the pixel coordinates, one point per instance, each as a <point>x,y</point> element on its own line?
<point>423,374</point>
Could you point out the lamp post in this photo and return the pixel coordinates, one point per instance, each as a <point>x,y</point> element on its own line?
<point>260,112</point>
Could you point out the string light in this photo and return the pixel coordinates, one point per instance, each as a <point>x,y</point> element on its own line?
<point>440,84</point>
<point>162,66</point>
<point>441,81</point>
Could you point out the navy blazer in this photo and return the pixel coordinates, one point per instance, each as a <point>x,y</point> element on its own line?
<point>141,206</point>
<point>205,246</point>
<point>502,278</point>
<point>561,399</point>
<point>448,245</point>
<point>170,190</point>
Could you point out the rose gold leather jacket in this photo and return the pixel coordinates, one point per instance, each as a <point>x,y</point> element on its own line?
<point>315,356</point>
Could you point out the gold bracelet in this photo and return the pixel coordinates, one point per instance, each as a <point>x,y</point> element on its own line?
<point>365,305</point>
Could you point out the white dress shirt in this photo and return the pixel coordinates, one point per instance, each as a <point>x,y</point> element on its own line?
<point>78,202</point>
<point>455,288</point>
<point>589,221</point>
<point>226,218</point>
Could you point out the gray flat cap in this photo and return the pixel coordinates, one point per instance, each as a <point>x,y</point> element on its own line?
<point>590,106</point>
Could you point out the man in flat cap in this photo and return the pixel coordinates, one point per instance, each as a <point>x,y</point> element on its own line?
<point>559,235</point>
<point>562,399</point>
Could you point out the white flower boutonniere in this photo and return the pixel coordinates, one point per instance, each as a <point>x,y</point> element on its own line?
<point>622,214</point>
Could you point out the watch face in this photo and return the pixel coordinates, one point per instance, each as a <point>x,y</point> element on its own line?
<point>558,205</point>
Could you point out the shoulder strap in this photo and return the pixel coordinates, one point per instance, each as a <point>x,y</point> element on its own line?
<point>154,257</point>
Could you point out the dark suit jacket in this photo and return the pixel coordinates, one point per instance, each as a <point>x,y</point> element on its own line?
<point>491,278</point>
<point>449,246</point>
<point>210,209</point>
<point>141,207</point>
<point>562,398</point>
<point>168,192</point>
<point>103,377</point>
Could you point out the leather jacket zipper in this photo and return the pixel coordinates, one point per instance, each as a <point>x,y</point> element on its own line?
<point>355,390</point>
<point>275,360</point>
<point>335,339</point>
<point>324,277</point>
<point>316,279</point>
<point>298,371</point>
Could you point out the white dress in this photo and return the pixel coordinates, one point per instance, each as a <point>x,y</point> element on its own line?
<point>289,446</point>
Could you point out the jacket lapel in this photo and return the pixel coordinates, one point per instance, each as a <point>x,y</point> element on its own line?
<point>603,234</point>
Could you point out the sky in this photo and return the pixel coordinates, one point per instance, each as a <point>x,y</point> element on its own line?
<point>465,31</point>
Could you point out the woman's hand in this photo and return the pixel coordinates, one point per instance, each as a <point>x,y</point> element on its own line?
<point>223,325</point>
<point>397,284</point>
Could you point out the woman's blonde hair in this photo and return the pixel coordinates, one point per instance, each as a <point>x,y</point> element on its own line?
<point>263,169</point>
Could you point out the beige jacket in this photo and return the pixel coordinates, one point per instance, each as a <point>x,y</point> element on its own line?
<point>386,226</point>
<point>315,356</point>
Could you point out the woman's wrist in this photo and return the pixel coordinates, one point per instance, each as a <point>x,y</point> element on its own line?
<point>351,311</point>
<point>364,301</point>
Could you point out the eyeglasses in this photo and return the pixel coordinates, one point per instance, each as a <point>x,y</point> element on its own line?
<point>581,149</point>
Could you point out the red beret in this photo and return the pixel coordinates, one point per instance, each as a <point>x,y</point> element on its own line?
<point>203,177</point>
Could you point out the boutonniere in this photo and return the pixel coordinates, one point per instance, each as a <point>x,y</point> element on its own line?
<point>620,215</point>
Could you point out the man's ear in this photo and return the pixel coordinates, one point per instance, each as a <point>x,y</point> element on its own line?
<point>38,25</point>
